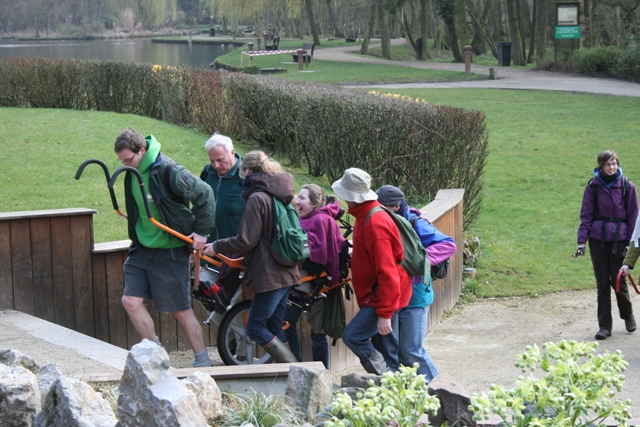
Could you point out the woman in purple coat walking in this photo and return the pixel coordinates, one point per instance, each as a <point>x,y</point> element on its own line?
<point>608,215</point>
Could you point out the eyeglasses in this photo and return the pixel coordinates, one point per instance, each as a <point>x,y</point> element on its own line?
<point>129,160</point>
<point>611,164</point>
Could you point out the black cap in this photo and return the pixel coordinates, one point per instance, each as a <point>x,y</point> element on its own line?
<point>388,195</point>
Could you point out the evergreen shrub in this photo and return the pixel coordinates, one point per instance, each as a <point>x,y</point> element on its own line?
<point>417,146</point>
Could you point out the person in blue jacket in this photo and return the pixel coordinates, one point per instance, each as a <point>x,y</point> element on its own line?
<point>413,318</point>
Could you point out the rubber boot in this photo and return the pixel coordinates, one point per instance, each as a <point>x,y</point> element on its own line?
<point>280,351</point>
<point>375,364</point>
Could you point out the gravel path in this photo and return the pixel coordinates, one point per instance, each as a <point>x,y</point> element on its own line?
<point>507,77</point>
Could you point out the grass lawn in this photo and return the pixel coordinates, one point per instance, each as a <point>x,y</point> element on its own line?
<point>542,151</point>
<point>341,72</point>
<point>543,148</point>
<point>43,148</point>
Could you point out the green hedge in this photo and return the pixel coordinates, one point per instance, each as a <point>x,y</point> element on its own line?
<point>417,146</point>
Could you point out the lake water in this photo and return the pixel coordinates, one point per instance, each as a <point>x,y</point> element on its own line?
<point>134,50</point>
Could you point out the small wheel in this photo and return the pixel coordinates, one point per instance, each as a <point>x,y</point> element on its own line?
<point>233,343</point>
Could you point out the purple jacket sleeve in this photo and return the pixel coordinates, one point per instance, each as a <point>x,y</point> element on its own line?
<point>586,216</point>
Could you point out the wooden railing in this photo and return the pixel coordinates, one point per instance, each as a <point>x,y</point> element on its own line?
<point>51,269</point>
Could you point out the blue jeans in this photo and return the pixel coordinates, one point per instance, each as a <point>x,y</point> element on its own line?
<point>319,345</point>
<point>361,336</point>
<point>266,315</point>
<point>412,328</point>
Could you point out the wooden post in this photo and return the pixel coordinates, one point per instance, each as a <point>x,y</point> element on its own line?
<point>467,59</point>
<point>250,46</point>
<point>300,59</point>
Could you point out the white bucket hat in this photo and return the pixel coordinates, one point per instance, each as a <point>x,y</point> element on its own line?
<point>354,186</point>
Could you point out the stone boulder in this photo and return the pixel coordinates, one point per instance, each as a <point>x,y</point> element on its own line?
<point>11,357</point>
<point>19,396</point>
<point>454,402</point>
<point>207,392</point>
<point>308,390</point>
<point>150,396</point>
<point>47,376</point>
<point>73,403</point>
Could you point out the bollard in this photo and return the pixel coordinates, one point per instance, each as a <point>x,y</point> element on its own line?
<point>300,59</point>
<point>258,39</point>
<point>467,59</point>
<point>250,47</point>
<point>492,73</point>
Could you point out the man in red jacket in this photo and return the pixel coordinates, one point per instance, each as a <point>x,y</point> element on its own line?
<point>381,285</point>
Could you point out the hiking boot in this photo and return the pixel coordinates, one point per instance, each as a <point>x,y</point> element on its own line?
<point>630,323</point>
<point>375,364</point>
<point>603,334</point>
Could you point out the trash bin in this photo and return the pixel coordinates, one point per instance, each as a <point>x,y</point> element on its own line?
<point>504,53</point>
<point>212,32</point>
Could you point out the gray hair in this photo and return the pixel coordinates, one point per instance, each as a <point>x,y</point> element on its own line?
<point>216,140</point>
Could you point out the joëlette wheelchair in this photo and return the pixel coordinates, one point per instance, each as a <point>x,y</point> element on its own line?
<point>234,347</point>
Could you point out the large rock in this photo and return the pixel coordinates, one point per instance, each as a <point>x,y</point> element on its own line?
<point>73,403</point>
<point>150,396</point>
<point>47,376</point>
<point>356,380</point>
<point>207,392</point>
<point>11,357</point>
<point>308,390</point>
<point>19,396</point>
<point>454,402</point>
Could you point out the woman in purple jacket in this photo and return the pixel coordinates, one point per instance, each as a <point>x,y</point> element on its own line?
<point>318,217</point>
<point>608,214</point>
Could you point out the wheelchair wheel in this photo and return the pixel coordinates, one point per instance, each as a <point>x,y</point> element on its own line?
<point>234,347</point>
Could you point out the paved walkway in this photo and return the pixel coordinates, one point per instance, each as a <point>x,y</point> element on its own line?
<point>507,77</point>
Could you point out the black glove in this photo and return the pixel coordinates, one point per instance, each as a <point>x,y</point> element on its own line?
<point>580,252</point>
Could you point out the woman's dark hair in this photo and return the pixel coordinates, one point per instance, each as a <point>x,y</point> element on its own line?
<point>606,156</point>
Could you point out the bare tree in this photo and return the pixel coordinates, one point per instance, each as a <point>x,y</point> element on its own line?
<point>370,31</point>
<point>514,32</point>
<point>312,22</point>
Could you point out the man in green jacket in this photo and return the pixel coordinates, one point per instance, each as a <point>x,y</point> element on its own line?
<point>223,176</point>
<point>158,263</point>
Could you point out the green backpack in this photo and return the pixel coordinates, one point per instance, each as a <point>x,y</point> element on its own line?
<point>415,261</point>
<point>289,244</point>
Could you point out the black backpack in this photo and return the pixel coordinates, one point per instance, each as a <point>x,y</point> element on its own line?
<point>625,198</point>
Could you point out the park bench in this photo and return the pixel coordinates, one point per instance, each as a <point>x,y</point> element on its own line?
<point>272,44</point>
<point>307,55</point>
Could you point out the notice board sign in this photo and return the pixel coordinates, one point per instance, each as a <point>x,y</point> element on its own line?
<point>567,14</point>
<point>568,32</point>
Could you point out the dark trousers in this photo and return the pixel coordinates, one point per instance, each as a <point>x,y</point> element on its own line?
<point>605,267</point>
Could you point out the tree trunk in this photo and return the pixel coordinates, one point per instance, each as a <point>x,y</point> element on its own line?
<point>514,33</point>
<point>385,40</point>
<point>532,28</point>
<point>333,21</point>
<point>447,12</point>
<point>484,31</point>
<point>541,30</point>
<point>424,22</point>
<point>461,14</point>
<point>364,47</point>
<point>312,22</point>
<point>521,25</point>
